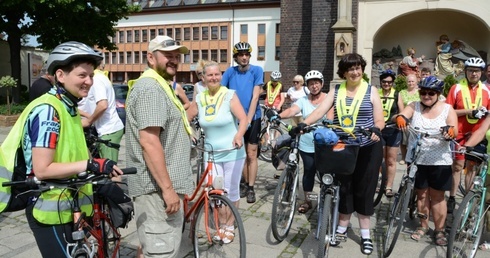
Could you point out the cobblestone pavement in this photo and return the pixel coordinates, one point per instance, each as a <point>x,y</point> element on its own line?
<point>16,239</point>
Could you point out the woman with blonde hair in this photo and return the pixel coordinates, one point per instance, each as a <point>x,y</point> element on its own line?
<point>296,92</point>
<point>199,86</point>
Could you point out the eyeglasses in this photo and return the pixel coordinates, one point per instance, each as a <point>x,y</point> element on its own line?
<point>354,69</point>
<point>473,70</point>
<point>427,92</point>
<point>388,82</point>
<point>169,43</point>
<point>243,54</point>
<point>295,81</point>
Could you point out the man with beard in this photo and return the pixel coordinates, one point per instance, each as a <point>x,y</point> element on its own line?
<point>247,80</point>
<point>470,100</point>
<point>156,123</point>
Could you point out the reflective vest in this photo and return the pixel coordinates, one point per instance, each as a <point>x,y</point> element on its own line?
<point>54,207</point>
<point>272,93</point>
<point>466,96</point>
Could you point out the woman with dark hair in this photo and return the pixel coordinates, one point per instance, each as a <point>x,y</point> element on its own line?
<point>392,137</point>
<point>356,103</point>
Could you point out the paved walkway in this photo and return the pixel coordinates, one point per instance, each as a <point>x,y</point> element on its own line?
<point>16,239</point>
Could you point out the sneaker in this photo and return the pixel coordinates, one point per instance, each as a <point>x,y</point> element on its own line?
<point>243,190</point>
<point>251,196</point>
<point>451,204</point>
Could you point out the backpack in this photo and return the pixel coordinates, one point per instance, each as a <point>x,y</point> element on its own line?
<point>14,198</point>
<point>121,207</point>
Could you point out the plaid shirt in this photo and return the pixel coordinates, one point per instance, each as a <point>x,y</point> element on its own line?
<point>149,106</point>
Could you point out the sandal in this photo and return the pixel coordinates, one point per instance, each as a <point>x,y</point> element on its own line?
<point>389,192</point>
<point>367,246</point>
<point>440,238</point>
<point>419,233</point>
<point>304,207</point>
<point>484,247</point>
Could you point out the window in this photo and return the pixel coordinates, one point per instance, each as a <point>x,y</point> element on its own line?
<point>129,36</point>
<point>113,58</point>
<point>187,33</point>
<point>277,28</point>
<point>143,57</point>
<point>205,33</point>
<point>170,32</point>
<point>129,57</point>
<point>214,32</point>
<point>224,32</point>
<point>144,33</point>
<point>160,32</point>
<point>121,36</point>
<point>114,39</point>
<point>152,34</point>
<point>195,56</point>
<point>223,55</point>
<point>261,28</point>
<point>136,36</point>
<point>187,58</point>
<point>106,57</point>
<point>137,57</point>
<point>244,29</point>
<point>205,54</point>
<point>195,33</point>
<point>278,53</point>
<point>261,53</point>
<point>178,35</point>
<point>214,55</point>
<point>121,57</point>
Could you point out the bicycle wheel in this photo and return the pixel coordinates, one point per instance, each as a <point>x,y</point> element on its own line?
<point>465,234</point>
<point>110,236</point>
<point>266,142</point>
<point>381,185</point>
<point>211,235</point>
<point>284,203</point>
<point>325,222</point>
<point>396,217</point>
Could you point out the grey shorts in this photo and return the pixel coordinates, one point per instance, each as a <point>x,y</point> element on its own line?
<point>159,234</point>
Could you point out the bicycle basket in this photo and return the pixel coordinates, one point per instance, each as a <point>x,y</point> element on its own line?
<point>280,151</point>
<point>339,158</point>
<point>120,204</point>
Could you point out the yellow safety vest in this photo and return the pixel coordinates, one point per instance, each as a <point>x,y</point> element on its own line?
<point>273,92</point>
<point>467,102</point>
<point>53,207</point>
<point>347,114</point>
<point>387,103</point>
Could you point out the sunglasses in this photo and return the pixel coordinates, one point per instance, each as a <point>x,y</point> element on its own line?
<point>427,92</point>
<point>295,81</point>
<point>388,82</point>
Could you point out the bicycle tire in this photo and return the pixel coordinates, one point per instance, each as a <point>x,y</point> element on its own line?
<point>396,218</point>
<point>381,185</point>
<point>110,236</point>
<point>284,203</point>
<point>325,223</point>
<point>265,146</point>
<point>203,247</point>
<point>462,242</point>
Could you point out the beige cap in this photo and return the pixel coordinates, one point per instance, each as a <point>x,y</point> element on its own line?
<point>166,43</point>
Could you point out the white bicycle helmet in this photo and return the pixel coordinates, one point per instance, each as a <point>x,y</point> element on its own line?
<point>313,74</point>
<point>276,76</point>
<point>64,53</point>
<point>474,62</point>
<point>242,46</point>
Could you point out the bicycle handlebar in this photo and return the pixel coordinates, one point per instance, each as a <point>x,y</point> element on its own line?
<point>91,138</point>
<point>82,179</point>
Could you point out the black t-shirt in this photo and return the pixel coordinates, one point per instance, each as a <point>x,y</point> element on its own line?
<point>39,87</point>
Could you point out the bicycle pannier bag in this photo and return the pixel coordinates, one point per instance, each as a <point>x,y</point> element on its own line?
<point>280,151</point>
<point>120,204</point>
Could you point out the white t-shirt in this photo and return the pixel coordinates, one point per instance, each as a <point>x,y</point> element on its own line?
<point>294,94</point>
<point>102,89</point>
<point>199,87</point>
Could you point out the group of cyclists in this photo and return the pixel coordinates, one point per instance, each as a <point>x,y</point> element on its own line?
<point>460,119</point>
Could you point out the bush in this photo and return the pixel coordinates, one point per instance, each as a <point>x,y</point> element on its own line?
<point>14,109</point>
<point>400,83</point>
<point>449,81</point>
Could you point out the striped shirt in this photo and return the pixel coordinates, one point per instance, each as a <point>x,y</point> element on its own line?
<point>365,117</point>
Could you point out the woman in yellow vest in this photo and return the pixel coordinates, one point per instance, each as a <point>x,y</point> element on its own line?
<point>50,133</point>
<point>274,96</point>
<point>355,103</point>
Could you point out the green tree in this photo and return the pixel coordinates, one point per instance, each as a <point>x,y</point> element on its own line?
<point>55,21</point>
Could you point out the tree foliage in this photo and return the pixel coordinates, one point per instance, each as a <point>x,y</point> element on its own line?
<point>55,21</point>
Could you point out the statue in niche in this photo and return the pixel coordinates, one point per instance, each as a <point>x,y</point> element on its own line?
<point>451,56</point>
<point>410,63</point>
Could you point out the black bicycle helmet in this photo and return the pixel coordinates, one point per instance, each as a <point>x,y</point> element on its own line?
<point>242,47</point>
<point>66,52</point>
<point>387,73</point>
<point>432,83</point>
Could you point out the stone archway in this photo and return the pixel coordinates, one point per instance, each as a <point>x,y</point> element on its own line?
<point>419,25</point>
